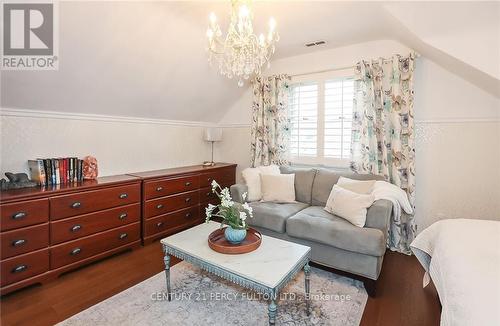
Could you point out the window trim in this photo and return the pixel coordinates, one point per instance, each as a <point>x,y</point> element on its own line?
<point>320,79</point>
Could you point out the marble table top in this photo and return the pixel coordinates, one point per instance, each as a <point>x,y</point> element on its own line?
<point>268,265</point>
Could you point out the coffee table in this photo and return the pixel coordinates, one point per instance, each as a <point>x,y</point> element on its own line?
<point>266,270</point>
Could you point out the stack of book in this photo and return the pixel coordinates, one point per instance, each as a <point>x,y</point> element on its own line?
<point>52,171</point>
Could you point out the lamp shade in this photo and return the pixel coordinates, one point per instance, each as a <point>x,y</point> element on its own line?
<point>213,134</point>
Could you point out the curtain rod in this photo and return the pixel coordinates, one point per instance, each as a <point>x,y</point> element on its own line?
<point>321,71</point>
<point>340,68</point>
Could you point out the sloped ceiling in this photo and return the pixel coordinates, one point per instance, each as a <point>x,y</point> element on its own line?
<point>148,59</point>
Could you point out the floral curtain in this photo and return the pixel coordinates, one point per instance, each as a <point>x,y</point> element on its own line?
<point>270,123</point>
<point>383,133</point>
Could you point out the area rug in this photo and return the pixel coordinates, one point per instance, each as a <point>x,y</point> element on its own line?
<point>201,298</point>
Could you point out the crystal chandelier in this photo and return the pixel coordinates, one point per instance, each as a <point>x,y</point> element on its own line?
<point>241,53</point>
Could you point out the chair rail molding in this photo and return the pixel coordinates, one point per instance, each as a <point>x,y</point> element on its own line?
<point>27,113</point>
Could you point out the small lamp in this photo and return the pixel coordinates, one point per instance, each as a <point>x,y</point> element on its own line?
<point>212,135</point>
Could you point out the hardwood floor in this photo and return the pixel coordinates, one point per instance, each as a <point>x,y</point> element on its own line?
<point>400,298</point>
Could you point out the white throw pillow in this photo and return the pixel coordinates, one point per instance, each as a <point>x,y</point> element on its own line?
<point>363,187</point>
<point>349,205</point>
<point>251,176</point>
<point>278,188</point>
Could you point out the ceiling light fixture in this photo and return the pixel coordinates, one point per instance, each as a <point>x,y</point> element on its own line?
<point>240,53</point>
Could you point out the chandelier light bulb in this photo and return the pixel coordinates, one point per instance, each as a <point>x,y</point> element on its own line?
<point>212,18</point>
<point>272,24</point>
<point>243,11</point>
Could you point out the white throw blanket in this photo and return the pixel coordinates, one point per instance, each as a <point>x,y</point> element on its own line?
<point>462,256</point>
<point>396,195</point>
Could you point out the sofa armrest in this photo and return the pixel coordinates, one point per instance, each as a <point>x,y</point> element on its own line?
<point>237,191</point>
<point>379,215</point>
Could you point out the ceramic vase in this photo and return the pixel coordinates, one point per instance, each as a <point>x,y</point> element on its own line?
<point>235,236</point>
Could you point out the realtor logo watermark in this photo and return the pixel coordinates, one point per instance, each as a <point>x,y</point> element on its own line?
<point>30,36</point>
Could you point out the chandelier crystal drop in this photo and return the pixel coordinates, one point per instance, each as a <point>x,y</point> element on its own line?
<point>240,53</point>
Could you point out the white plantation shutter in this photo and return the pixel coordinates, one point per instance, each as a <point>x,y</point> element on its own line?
<point>338,118</point>
<point>320,110</point>
<point>303,113</point>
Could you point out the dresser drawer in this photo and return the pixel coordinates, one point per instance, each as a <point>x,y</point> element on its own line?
<point>160,188</point>
<point>20,267</point>
<point>224,177</point>
<point>23,240</point>
<point>168,204</point>
<point>73,251</point>
<point>84,225</point>
<point>24,213</point>
<point>175,220</point>
<point>207,196</point>
<point>91,201</point>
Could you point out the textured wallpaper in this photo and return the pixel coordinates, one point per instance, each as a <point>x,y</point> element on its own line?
<point>119,147</point>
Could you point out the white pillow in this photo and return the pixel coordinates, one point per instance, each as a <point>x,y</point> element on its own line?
<point>349,205</point>
<point>251,176</point>
<point>363,187</point>
<point>278,188</point>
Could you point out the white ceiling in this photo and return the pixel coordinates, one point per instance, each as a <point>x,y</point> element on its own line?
<point>148,59</point>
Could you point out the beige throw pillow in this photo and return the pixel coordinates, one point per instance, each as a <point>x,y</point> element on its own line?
<point>278,188</point>
<point>251,176</point>
<point>349,205</point>
<point>364,187</point>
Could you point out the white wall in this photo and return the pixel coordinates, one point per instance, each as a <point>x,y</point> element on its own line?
<point>458,133</point>
<point>120,147</point>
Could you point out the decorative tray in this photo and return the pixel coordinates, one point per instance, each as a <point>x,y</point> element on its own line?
<point>218,242</point>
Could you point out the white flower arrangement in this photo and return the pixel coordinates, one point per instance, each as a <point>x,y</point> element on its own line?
<point>233,215</point>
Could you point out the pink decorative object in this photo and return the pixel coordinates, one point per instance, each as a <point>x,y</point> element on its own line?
<point>90,170</point>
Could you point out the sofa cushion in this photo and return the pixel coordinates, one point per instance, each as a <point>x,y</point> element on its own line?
<point>325,179</point>
<point>273,216</point>
<point>304,178</point>
<point>315,224</point>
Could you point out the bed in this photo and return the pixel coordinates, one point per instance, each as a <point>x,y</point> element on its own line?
<point>462,258</point>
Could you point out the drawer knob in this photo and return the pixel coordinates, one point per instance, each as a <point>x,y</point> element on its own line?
<point>123,196</point>
<point>188,214</point>
<point>76,228</point>
<point>208,194</point>
<point>76,205</point>
<point>17,243</point>
<point>122,216</point>
<point>159,188</point>
<point>123,236</point>
<point>18,216</point>
<point>159,206</point>
<point>187,200</point>
<point>159,224</point>
<point>75,251</point>
<point>19,269</point>
<point>188,184</point>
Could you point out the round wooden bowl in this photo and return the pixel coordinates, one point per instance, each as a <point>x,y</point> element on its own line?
<point>217,241</point>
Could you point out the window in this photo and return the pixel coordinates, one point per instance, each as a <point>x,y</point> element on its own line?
<point>303,113</point>
<point>320,108</point>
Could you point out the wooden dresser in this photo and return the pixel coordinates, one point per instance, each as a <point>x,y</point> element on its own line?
<point>47,231</point>
<point>175,199</point>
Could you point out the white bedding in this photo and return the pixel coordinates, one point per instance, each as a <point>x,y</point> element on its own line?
<point>462,257</point>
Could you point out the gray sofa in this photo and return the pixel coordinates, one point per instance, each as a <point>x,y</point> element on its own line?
<point>334,242</point>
